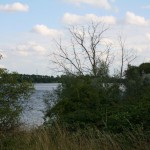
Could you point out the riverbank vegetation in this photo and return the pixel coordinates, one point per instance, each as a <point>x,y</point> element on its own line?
<point>88,114</point>
<point>13,98</point>
<point>89,96</point>
<point>39,78</point>
<point>56,138</point>
<point>90,109</point>
<point>85,102</point>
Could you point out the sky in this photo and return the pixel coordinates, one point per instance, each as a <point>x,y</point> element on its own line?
<point>28,29</point>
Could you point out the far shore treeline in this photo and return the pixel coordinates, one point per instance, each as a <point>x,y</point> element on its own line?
<point>52,79</point>
<point>38,78</point>
<point>58,79</point>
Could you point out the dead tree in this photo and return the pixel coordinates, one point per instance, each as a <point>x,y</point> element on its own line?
<point>127,55</point>
<point>85,52</point>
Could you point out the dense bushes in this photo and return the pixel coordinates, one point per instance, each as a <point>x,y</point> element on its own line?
<point>12,97</point>
<point>85,102</point>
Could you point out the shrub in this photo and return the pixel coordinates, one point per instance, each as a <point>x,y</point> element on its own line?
<point>83,102</point>
<point>12,96</point>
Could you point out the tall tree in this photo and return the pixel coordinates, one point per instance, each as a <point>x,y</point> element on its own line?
<point>86,52</point>
<point>127,55</point>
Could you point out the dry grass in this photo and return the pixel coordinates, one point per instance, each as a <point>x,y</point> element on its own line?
<point>58,139</point>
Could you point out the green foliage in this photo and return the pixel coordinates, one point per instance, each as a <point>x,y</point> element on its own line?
<point>83,102</point>
<point>144,67</point>
<point>132,72</point>
<point>38,78</point>
<point>12,97</point>
<point>88,102</point>
<point>135,109</point>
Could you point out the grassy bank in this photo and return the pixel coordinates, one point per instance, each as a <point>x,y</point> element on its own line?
<point>58,139</point>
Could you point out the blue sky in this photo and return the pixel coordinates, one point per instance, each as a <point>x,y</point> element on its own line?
<point>28,28</point>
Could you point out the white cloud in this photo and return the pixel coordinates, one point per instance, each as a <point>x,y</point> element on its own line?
<point>105,19</point>
<point>30,48</point>
<point>131,18</point>
<point>23,49</point>
<point>69,18</point>
<point>14,7</point>
<point>148,36</point>
<point>23,53</point>
<point>39,49</point>
<point>45,31</point>
<point>98,3</point>
<point>107,41</point>
<point>2,66</point>
<point>147,60</point>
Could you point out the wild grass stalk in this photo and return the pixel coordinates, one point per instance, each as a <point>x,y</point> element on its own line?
<point>59,139</point>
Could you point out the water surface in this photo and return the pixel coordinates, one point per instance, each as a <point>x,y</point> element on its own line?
<point>33,114</point>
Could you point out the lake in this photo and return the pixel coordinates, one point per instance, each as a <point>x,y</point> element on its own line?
<point>33,114</point>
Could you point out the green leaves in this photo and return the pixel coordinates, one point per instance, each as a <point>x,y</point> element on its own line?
<point>12,97</point>
<point>83,101</point>
<point>87,101</point>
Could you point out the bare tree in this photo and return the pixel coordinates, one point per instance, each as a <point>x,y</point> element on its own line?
<point>127,55</point>
<point>86,52</point>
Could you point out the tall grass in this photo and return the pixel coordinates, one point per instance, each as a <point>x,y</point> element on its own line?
<point>58,139</point>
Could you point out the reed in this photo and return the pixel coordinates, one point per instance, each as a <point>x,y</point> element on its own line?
<point>57,138</point>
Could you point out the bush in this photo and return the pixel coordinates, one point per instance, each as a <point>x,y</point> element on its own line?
<point>83,102</point>
<point>88,102</point>
<point>12,96</point>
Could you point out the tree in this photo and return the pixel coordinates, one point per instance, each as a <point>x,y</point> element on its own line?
<point>127,56</point>
<point>144,68</point>
<point>12,97</point>
<point>85,93</point>
<point>82,102</point>
<point>87,97</point>
<point>87,51</point>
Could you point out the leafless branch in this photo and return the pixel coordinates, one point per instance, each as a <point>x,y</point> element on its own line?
<point>86,50</point>
<point>127,56</point>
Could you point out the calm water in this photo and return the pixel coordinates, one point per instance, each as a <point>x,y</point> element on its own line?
<point>33,115</point>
